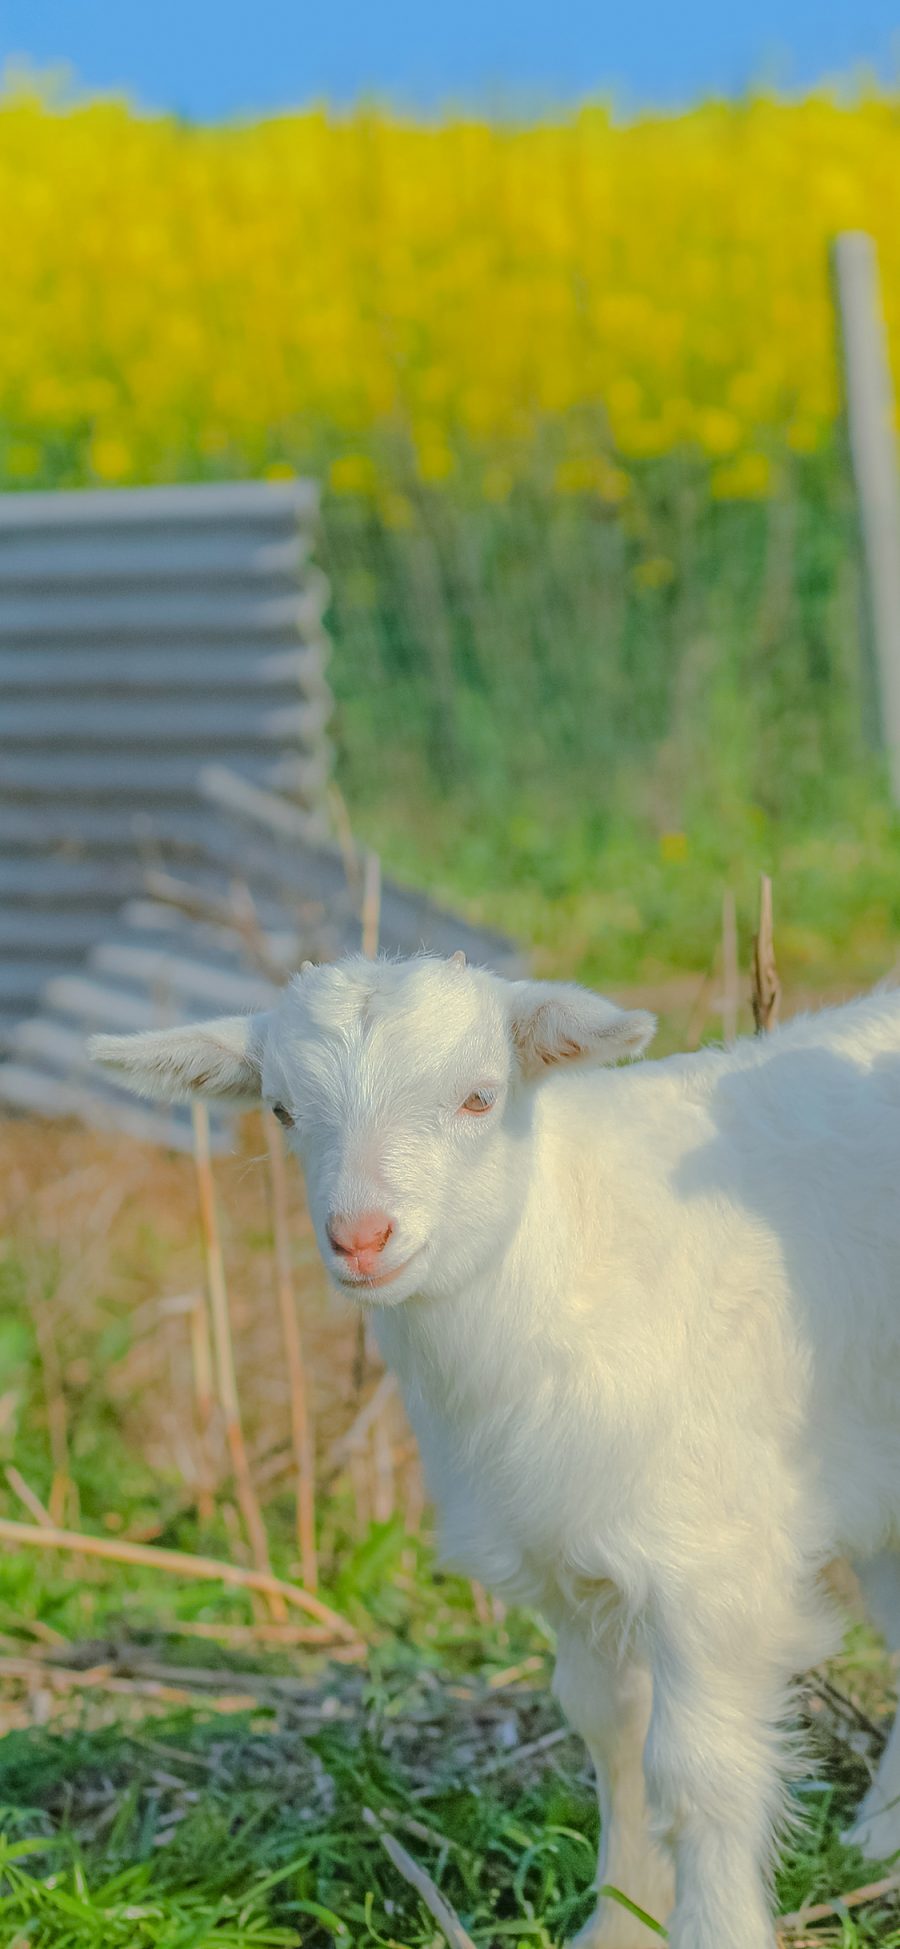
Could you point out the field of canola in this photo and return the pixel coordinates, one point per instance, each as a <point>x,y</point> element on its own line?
<point>572,389</point>
<point>467,299</point>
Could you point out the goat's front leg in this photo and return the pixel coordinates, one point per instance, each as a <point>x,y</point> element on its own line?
<point>713,1768</point>
<point>608,1703</point>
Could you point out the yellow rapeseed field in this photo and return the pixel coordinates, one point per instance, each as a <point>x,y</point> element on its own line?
<point>334,289</point>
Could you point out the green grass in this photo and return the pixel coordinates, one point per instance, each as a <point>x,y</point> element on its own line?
<point>558,642</point>
<point>193,1831</point>
<point>189,1831</point>
<point>585,721</point>
<point>225,1832</point>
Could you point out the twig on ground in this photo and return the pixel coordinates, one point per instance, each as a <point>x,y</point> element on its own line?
<point>384,1500</point>
<point>301,1429</point>
<point>132,1662</point>
<point>202,1371</point>
<point>373,1486</point>
<point>179,1563</point>
<point>36,1627</point>
<point>730,979</point>
<point>360,1483</point>
<point>370,912</point>
<point>765,992</point>
<point>337,806</point>
<point>432,1836</point>
<point>26,1495</point>
<point>821,1911</point>
<point>839,1701</point>
<point>528,1751</point>
<point>513,1674</point>
<point>413,1482</point>
<point>104,1678</point>
<point>57,1419</point>
<point>238,1635</point>
<point>427,1890</point>
<point>224,1356</point>
<point>480,1603</point>
<point>355,1437</point>
<point>360,1358</point>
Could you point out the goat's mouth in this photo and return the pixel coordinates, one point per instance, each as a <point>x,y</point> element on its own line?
<point>364,1282</point>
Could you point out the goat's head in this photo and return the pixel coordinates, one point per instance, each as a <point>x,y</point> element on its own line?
<point>406,1088</point>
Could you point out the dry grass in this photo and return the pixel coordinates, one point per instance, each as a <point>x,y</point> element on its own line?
<point>105,1224</point>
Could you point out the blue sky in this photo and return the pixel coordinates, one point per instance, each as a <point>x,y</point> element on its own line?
<point>214,58</point>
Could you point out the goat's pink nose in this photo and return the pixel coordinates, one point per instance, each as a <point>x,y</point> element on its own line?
<point>359,1240</point>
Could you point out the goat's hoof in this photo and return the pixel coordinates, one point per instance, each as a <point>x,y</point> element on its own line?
<point>876,1832</point>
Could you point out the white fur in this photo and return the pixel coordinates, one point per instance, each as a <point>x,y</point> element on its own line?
<point>647,1326</point>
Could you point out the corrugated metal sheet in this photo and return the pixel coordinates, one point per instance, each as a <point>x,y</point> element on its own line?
<point>163,712</point>
<point>177,953</point>
<point>143,634</point>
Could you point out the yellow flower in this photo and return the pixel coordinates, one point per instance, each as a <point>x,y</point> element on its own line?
<point>749,478</point>
<point>434,459</point>
<point>109,457</point>
<point>719,432</point>
<point>353,473</point>
<point>344,287</point>
<point>673,847</point>
<point>591,474</point>
<point>644,439</point>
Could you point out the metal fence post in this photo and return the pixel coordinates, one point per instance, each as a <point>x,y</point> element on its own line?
<point>869,403</point>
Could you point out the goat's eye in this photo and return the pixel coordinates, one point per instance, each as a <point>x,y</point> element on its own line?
<point>480,1102</point>
<point>283,1115</point>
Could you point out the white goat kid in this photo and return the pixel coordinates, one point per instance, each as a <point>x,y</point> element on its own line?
<point>647,1327</point>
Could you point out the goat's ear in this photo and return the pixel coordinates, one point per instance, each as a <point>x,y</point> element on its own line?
<point>556,1022</point>
<point>221,1058</point>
